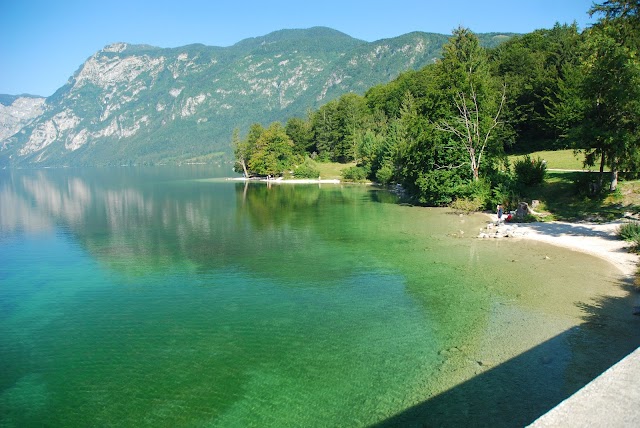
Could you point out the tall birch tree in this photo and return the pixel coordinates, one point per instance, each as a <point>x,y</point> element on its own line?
<point>476,102</point>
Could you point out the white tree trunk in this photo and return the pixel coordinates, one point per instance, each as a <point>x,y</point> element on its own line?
<point>467,127</point>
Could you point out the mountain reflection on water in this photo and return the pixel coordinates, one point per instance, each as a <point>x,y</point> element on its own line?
<point>144,220</point>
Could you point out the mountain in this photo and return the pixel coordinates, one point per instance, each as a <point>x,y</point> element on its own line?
<point>17,111</point>
<point>142,104</point>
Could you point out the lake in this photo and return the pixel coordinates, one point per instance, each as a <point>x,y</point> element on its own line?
<point>170,296</point>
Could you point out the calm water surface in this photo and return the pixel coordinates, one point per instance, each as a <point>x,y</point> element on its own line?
<point>169,297</point>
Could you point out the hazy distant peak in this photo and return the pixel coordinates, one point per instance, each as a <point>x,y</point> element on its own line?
<point>7,100</point>
<point>301,35</point>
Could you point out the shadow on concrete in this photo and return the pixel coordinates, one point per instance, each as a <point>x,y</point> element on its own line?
<point>518,391</point>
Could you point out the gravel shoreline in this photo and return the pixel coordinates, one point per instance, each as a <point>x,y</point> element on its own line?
<point>598,239</point>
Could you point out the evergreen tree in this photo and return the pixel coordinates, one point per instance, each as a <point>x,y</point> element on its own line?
<point>535,66</point>
<point>622,14</point>
<point>325,130</point>
<point>611,90</point>
<point>599,105</point>
<point>352,116</point>
<point>299,130</point>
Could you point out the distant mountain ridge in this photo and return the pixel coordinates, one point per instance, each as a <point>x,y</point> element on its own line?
<point>6,100</point>
<point>131,104</point>
<point>17,111</point>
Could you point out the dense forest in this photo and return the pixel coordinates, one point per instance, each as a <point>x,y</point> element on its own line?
<point>444,132</point>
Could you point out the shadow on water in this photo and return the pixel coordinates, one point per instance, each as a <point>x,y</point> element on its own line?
<point>518,391</point>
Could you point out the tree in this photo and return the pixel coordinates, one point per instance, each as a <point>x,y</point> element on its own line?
<point>239,152</point>
<point>478,104</point>
<point>535,65</point>
<point>611,90</point>
<point>243,149</point>
<point>352,118</point>
<point>299,130</point>
<point>325,129</point>
<point>600,105</point>
<point>273,152</point>
<point>623,14</point>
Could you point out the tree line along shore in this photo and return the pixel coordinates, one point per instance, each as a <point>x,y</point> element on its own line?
<point>445,133</point>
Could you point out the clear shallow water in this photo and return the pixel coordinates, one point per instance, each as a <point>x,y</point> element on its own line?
<point>166,297</point>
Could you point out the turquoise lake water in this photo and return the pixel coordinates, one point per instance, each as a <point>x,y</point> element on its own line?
<point>169,296</point>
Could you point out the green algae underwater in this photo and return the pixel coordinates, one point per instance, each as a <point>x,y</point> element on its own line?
<point>169,296</point>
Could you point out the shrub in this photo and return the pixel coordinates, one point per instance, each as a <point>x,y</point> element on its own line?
<point>437,188</point>
<point>505,195</point>
<point>307,170</point>
<point>385,174</point>
<point>477,192</point>
<point>530,172</point>
<point>630,232</point>
<point>467,205</point>
<point>354,173</point>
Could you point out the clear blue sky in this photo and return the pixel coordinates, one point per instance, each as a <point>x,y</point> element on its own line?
<point>43,42</point>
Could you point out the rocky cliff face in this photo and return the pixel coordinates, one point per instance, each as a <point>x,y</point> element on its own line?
<point>18,111</point>
<point>141,104</point>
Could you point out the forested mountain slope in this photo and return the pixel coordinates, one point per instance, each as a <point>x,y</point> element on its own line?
<point>132,104</point>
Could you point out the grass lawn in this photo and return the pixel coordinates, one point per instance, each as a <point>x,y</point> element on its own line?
<point>560,198</point>
<point>563,198</point>
<point>557,159</point>
<point>332,170</point>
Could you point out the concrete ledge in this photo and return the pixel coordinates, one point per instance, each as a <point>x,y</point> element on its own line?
<point>610,400</point>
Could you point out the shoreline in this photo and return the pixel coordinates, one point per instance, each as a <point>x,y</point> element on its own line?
<point>597,239</point>
<point>281,180</point>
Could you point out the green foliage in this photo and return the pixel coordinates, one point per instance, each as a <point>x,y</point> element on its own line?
<point>308,169</point>
<point>325,130</point>
<point>299,131</point>
<point>624,16</point>
<point>536,67</point>
<point>630,232</point>
<point>370,146</point>
<point>530,172</point>
<point>270,150</point>
<point>437,188</point>
<point>505,195</point>
<point>611,90</point>
<point>336,127</point>
<point>243,150</point>
<point>353,117</point>
<point>464,61</point>
<point>479,191</point>
<point>467,205</point>
<point>476,100</point>
<point>355,173</point>
<point>440,133</point>
<point>384,175</point>
<point>597,106</point>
